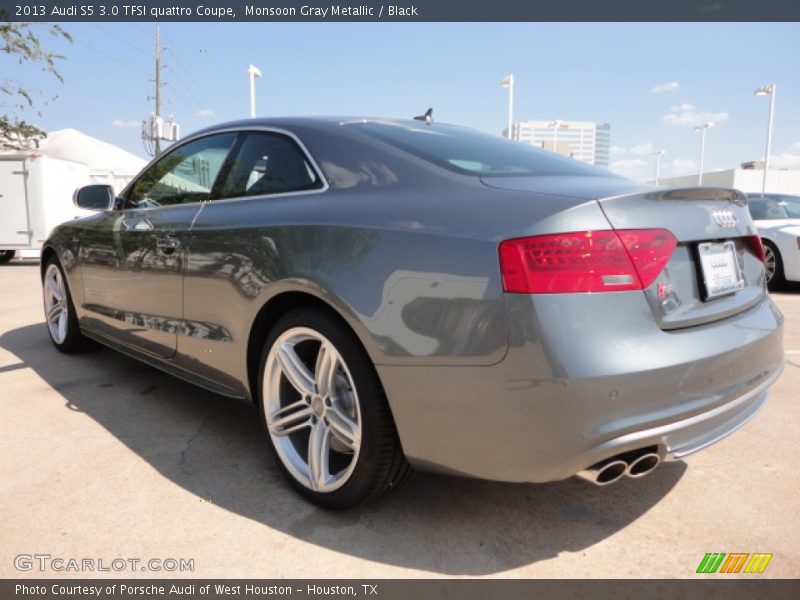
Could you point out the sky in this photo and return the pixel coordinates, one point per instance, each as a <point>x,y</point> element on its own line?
<point>651,81</point>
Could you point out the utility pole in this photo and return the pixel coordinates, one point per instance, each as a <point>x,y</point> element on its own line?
<point>158,84</point>
<point>154,128</point>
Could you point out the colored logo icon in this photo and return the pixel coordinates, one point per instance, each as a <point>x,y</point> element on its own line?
<point>735,562</point>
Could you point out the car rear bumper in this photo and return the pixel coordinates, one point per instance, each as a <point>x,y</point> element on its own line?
<point>570,394</point>
<point>683,437</point>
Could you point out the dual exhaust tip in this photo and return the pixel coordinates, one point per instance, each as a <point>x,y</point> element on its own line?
<point>634,464</point>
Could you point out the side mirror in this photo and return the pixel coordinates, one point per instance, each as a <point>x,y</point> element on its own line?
<point>95,197</point>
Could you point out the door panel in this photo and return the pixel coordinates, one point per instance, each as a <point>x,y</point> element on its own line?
<point>133,260</point>
<point>133,282</point>
<point>13,204</point>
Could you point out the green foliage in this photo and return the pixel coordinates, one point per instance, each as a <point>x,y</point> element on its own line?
<point>19,41</point>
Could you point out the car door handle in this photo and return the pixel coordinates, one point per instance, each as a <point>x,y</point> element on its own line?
<point>168,245</point>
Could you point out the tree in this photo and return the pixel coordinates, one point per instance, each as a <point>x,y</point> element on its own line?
<point>20,41</point>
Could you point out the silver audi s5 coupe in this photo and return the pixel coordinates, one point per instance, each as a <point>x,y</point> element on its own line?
<point>400,294</point>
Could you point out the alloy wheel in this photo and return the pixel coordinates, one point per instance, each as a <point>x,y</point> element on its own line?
<point>55,303</point>
<point>770,262</point>
<point>312,410</point>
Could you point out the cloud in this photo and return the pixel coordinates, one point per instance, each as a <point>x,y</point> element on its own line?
<point>784,160</point>
<point>682,166</point>
<point>669,86</point>
<point>643,170</point>
<point>687,115</point>
<point>638,150</point>
<point>642,149</point>
<point>124,123</point>
<point>637,169</point>
<point>205,113</point>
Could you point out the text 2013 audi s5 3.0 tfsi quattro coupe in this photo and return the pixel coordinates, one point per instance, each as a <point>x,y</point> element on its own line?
<point>406,294</point>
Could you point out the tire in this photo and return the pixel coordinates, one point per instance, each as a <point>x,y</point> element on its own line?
<point>318,390</point>
<point>774,272</point>
<point>59,311</point>
<point>6,256</point>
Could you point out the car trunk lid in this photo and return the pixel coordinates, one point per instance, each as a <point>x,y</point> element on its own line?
<point>705,220</point>
<point>715,271</point>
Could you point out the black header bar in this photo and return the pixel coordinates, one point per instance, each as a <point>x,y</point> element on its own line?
<point>228,11</point>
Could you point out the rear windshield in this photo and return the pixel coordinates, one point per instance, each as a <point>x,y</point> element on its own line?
<point>774,206</point>
<point>471,152</point>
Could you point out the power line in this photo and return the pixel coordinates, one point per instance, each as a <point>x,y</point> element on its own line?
<point>119,38</point>
<point>186,69</point>
<point>207,99</point>
<point>200,105</point>
<point>183,99</point>
<point>189,72</point>
<point>188,91</point>
<point>108,56</point>
<point>140,28</point>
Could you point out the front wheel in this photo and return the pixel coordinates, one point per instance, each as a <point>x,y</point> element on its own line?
<point>325,412</point>
<point>6,256</point>
<point>59,311</point>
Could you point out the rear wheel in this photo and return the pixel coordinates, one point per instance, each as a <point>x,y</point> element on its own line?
<point>773,265</point>
<point>325,412</point>
<point>59,312</point>
<point>6,256</point>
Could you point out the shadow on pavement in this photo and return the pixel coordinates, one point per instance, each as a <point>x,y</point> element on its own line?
<point>213,447</point>
<point>790,287</point>
<point>20,262</point>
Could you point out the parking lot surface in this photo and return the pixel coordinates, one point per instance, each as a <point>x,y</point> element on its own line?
<point>102,457</point>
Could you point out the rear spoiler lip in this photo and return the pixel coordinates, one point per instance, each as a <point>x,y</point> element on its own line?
<point>687,193</point>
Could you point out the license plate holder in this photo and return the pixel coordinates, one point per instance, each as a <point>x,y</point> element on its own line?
<point>719,265</point>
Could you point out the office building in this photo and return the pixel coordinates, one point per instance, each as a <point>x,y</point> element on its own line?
<point>582,140</point>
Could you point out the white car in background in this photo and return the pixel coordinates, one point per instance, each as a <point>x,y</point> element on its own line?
<point>777,217</point>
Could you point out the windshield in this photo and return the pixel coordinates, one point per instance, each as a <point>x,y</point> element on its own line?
<point>471,152</point>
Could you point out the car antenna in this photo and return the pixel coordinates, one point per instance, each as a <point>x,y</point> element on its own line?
<point>427,117</point>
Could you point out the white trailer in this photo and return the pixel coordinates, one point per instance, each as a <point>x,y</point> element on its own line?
<point>35,196</point>
<point>36,187</point>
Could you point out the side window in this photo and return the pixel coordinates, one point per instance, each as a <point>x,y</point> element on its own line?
<point>186,174</point>
<point>266,163</point>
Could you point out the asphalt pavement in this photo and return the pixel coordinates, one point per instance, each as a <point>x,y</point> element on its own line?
<point>104,458</point>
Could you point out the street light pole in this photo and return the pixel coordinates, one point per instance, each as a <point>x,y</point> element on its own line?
<point>253,72</point>
<point>555,125</point>
<point>508,82</point>
<point>658,154</point>
<point>702,129</point>
<point>764,91</point>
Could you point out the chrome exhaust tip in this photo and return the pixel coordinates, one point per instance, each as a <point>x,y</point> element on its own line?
<point>604,473</point>
<point>643,465</point>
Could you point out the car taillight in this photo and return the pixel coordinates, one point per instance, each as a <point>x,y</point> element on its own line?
<point>586,261</point>
<point>756,247</point>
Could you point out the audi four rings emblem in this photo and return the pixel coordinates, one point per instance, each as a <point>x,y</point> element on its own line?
<point>725,219</point>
